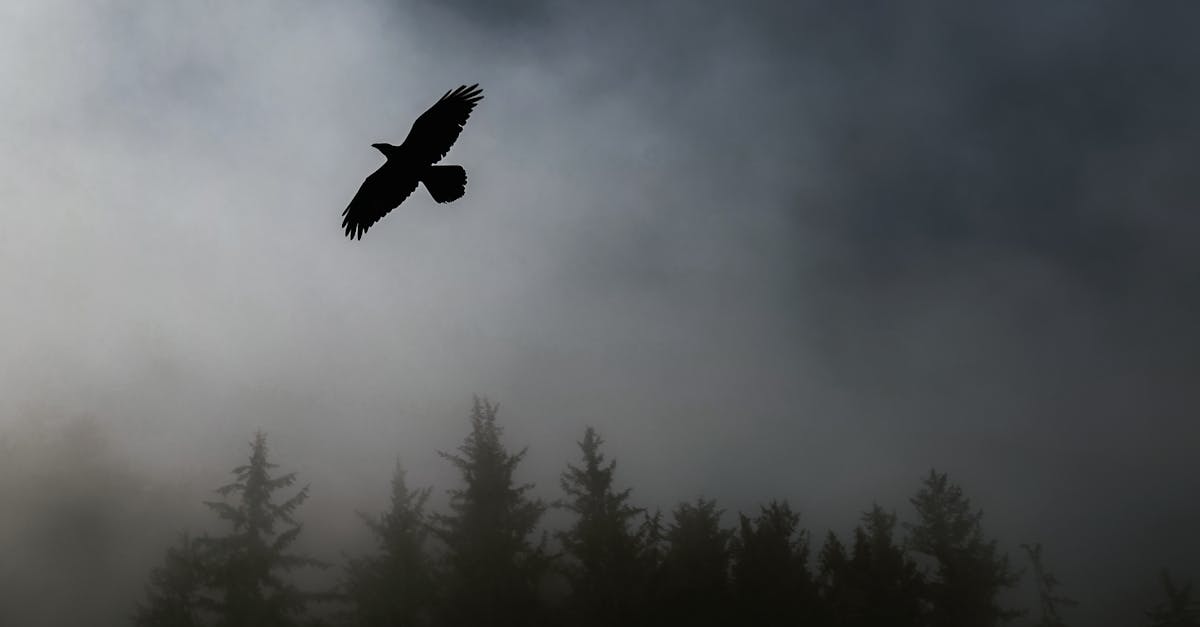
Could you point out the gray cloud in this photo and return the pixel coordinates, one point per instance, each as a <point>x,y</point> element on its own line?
<point>793,250</point>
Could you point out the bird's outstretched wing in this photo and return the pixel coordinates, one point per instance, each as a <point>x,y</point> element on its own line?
<point>383,191</point>
<point>437,129</point>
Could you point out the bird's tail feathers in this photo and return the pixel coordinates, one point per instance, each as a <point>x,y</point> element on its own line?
<point>445,182</point>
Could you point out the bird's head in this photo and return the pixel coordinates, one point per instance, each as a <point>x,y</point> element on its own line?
<point>387,149</point>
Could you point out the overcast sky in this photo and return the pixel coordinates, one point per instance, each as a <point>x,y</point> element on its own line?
<point>791,249</point>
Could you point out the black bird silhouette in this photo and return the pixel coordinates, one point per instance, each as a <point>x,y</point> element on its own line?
<point>412,162</point>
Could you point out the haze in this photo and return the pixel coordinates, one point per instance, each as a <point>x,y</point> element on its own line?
<point>792,250</point>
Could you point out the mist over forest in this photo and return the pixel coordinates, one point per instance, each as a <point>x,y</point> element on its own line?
<point>784,255</point>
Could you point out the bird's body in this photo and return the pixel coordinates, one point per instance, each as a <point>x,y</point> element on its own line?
<point>414,162</point>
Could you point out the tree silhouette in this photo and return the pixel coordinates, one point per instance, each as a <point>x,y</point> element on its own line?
<point>394,587</point>
<point>246,566</point>
<point>1177,609</point>
<point>838,596</point>
<point>1048,602</point>
<point>887,584</point>
<point>770,575</point>
<point>652,554</point>
<point>480,564</point>
<point>605,568</point>
<point>694,583</point>
<point>492,568</point>
<point>970,572</point>
<point>174,594</point>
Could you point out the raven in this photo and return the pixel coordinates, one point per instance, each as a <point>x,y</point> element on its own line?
<point>412,162</point>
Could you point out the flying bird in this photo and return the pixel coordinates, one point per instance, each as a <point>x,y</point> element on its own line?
<point>413,162</point>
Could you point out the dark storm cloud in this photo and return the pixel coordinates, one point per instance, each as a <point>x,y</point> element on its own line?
<point>770,249</point>
<point>1033,131</point>
<point>988,264</point>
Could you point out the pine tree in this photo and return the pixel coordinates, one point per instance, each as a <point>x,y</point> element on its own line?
<point>695,568</point>
<point>603,546</point>
<point>653,541</point>
<point>887,583</point>
<point>1048,602</point>
<point>1178,609</point>
<point>492,568</point>
<point>394,587</point>
<point>248,564</point>
<point>651,555</point>
<point>837,595</point>
<point>770,574</point>
<point>174,594</point>
<point>970,571</point>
